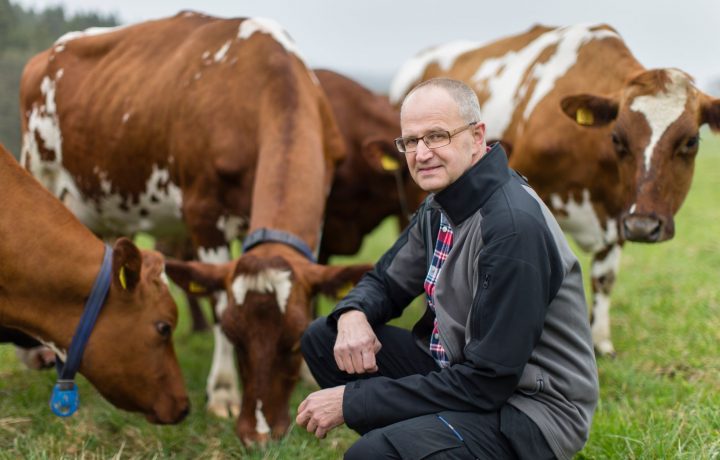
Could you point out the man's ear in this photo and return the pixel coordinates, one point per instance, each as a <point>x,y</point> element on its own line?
<point>335,280</point>
<point>590,110</point>
<point>198,278</point>
<point>382,156</point>
<point>126,265</point>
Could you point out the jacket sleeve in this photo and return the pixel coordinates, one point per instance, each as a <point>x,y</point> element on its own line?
<point>518,274</point>
<point>397,278</point>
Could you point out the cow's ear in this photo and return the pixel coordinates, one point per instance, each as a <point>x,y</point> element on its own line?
<point>590,110</point>
<point>127,265</point>
<point>710,109</point>
<point>335,280</point>
<point>197,278</point>
<point>382,156</point>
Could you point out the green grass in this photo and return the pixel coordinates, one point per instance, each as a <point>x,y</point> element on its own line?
<point>659,397</point>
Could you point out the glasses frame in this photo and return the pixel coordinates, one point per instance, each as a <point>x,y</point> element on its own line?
<point>400,141</point>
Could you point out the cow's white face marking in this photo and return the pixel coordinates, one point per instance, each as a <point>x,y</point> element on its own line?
<point>581,221</point>
<point>507,80</point>
<point>662,110</point>
<point>270,280</point>
<point>413,69</point>
<point>261,425</point>
<point>218,255</point>
<point>232,226</point>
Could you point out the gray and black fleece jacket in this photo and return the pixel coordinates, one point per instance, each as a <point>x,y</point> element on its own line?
<point>511,311</point>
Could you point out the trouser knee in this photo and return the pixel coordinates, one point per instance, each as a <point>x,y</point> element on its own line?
<point>373,445</point>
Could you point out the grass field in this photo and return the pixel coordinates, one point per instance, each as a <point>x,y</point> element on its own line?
<point>659,397</point>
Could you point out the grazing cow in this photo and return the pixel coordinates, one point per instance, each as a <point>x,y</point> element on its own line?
<point>212,128</point>
<point>373,182</point>
<point>608,144</point>
<point>49,265</point>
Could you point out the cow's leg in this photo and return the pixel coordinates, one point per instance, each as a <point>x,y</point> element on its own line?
<point>222,389</point>
<point>604,271</point>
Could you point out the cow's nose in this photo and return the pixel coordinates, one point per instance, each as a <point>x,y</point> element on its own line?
<point>641,228</point>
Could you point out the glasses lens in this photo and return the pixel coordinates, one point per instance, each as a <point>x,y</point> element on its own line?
<point>437,139</point>
<point>400,145</point>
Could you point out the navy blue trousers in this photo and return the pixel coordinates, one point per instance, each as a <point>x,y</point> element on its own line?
<point>505,434</point>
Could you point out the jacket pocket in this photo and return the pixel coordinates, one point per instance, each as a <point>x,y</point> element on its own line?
<point>533,380</point>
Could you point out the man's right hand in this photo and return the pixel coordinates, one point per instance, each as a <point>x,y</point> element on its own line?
<point>356,344</point>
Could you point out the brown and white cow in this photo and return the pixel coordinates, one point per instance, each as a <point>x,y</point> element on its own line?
<point>49,265</point>
<point>608,144</point>
<point>373,181</point>
<point>207,127</point>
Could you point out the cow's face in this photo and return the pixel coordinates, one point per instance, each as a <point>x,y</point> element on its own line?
<point>136,367</point>
<point>269,291</point>
<point>654,128</point>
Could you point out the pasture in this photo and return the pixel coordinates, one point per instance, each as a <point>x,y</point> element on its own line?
<point>659,396</point>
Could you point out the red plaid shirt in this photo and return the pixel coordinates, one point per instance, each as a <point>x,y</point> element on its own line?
<point>442,248</point>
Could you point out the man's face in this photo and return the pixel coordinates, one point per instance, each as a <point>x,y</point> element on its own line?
<point>433,109</point>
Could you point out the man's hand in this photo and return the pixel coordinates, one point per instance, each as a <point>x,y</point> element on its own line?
<point>356,344</point>
<point>321,411</point>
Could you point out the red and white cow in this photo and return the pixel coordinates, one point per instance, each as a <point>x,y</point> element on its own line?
<point>207,127</point>
<point>608,144</point>
<point>49,265</point>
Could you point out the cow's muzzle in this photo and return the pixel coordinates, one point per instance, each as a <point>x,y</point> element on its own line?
<point>646,228</point>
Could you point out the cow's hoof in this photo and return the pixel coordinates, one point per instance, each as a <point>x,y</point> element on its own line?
<point>605,349</point>
<point>223,404</point>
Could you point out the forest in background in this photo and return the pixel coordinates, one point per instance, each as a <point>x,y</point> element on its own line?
<point>23,33</point>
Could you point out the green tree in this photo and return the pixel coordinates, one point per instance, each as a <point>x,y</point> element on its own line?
<point>24,33</point>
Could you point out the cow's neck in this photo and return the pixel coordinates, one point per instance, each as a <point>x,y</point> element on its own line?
<point>53,260</point>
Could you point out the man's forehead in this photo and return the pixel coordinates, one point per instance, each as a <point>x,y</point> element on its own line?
<point>429,108</point>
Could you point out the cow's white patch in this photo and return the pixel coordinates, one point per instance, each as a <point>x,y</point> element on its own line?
<point>609,265</point>
<point>232,226</point>
<point>508,78</point>
<point>269,26</point>
<point>261,425</point>
<point>157,210</point>
<point>222,52</point>
<point>222,384</point>
<point>412,70</point>
<point>270,280</point>
<point>87,32</point>
<point>581,221</point>
<point>217,255</point>
<point>662,110</point>
<point>164,278</point>
<point>126,117</point>
<point>205,55</point>
<point>601,324</point>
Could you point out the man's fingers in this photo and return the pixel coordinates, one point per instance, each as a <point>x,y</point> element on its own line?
<point>368,361</point>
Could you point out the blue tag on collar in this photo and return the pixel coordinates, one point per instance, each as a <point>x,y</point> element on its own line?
<point>65,399</point>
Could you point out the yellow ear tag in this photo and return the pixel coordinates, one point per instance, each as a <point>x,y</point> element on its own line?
<point>196,288</point>
<point>389,163</point>
<point>584,117</point>
<point>344,290</point>
<point>121,275</point>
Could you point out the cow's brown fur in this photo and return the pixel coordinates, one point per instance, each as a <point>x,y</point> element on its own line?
<point>49,264</point>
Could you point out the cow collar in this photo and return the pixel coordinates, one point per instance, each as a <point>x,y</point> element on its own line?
<point>263,235</point>
<point>470,191</point>
<point>64,400</point>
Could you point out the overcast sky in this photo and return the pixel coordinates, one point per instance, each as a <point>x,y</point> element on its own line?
<point>366,37</point>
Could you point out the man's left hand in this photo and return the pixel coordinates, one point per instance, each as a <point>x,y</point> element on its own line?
<point>321,411</point>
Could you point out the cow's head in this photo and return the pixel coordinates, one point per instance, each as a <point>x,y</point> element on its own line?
<point>130,357</point>
<point>269,291</point>
<point>654,130</point>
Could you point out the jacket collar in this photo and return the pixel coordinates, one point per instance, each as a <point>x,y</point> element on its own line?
<point>469,192</point>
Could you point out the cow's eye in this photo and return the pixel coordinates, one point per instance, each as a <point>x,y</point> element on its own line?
<point>620,145</point>
<point>690,146</point>
<point>164,329</point>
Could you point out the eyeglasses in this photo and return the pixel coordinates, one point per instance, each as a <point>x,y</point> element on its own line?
<point>432,140</point>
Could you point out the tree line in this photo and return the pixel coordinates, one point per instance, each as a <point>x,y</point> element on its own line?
<point>24,33</point>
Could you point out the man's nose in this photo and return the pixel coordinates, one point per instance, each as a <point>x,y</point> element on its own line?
<point>422,152</point>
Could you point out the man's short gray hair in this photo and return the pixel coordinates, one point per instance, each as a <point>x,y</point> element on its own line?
<point>465,98</point>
